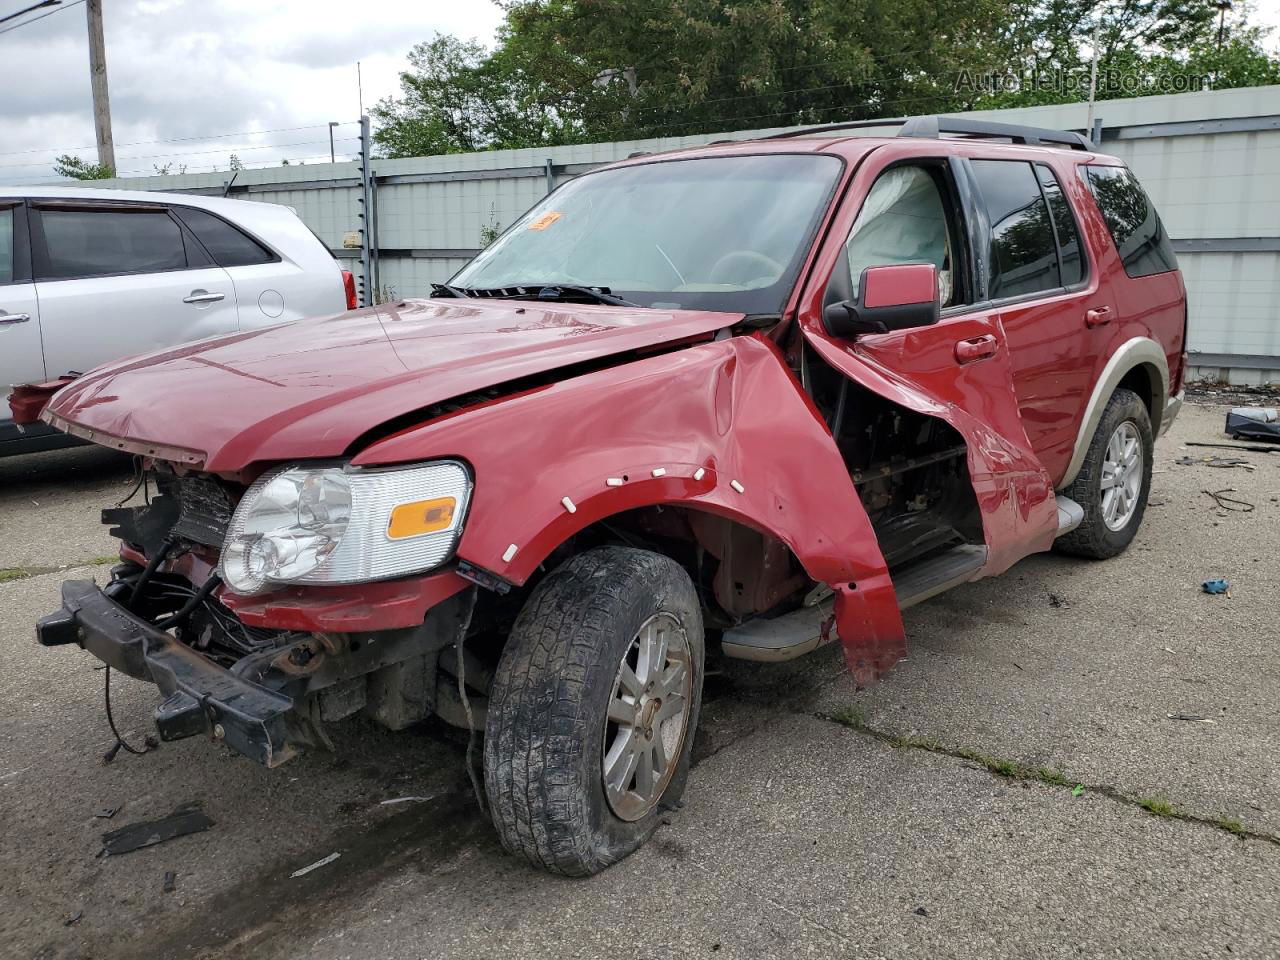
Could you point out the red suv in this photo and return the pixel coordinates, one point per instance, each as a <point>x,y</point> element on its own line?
<point>757,396</point>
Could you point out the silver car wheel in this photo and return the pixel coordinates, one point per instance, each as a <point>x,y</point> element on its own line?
<point>648,717</point>
<point>1121,476</point>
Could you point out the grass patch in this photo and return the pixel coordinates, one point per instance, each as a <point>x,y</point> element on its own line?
<point>851,718</point>
<point>1158,805</point>
<point>1230,825</point>
<point>103,561</point>
<point>13,573</point>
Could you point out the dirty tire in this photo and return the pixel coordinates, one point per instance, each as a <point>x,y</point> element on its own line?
<point>547,708</point>
<point>1093,538</point>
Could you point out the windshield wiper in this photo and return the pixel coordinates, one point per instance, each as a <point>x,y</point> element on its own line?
<point>552,291</point>
<point>439,288</point>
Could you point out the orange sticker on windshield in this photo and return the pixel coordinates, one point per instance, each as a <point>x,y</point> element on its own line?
<point>546,220</point>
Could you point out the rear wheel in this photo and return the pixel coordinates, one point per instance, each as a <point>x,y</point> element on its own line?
<point>1114,481</point>
<point>593,709</point>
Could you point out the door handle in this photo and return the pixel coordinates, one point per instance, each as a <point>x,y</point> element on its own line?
<point>976,348</point>
<point>199,296</point>
<point>1097,316</point>
<point>14,317</point>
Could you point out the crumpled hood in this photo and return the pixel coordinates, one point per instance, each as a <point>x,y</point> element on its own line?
<point>310,389</point>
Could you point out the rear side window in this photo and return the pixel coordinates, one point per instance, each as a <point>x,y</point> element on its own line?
<point>1064,227</point>
<point>1135,226</point>
<point>6,246</point>
<point>1024,256</point>
<point>89,243</point>
<point>229,246</point>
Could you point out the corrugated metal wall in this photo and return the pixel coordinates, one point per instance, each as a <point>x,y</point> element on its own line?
<point>1211,162</point>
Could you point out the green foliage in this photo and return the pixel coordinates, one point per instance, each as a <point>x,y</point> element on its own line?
<point>577,71</point>
<point>77,169</point>
<point>236,163</point>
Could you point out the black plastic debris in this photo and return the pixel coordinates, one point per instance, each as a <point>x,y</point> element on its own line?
<point>106,813</point>
<point>1254,423</point>
<point>170,881</point>
<point>186,819</point>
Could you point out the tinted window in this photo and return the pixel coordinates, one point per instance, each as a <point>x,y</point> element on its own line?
<point>87,243</point>
<point>228,246</point>
<point>1064,225</point>
<point>6,246</point>
<point>1023,257</point>
<point>1135,227</point>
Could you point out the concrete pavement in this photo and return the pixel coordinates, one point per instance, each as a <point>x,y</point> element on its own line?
<point>883,835</point>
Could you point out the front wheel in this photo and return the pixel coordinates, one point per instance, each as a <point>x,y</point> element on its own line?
<point>593,709</point>
<point>1114,481</point>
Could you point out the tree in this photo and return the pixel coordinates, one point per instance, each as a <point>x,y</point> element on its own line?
<point>77,169</point>
<point>236,165</point>
<point>573,71</point>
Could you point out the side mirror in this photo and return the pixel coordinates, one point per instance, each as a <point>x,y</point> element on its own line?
<point>894,297</point>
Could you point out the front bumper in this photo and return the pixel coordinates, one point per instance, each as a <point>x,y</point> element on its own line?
<point>201,697</point>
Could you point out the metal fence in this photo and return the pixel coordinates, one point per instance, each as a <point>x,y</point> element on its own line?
<point>1211,162</point>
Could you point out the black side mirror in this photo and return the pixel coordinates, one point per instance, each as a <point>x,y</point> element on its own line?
<point>895,297</point>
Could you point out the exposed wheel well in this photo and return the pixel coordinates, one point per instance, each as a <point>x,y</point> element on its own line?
<point>1144,380</point>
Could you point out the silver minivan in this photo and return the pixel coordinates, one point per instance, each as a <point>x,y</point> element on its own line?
<point>90,275</point>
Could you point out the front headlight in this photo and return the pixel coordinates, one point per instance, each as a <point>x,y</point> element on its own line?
<point>333,525</point>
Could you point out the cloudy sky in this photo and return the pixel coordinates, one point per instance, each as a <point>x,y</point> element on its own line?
<point>190,78</point>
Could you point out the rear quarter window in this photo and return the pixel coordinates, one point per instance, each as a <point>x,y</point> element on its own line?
<point>228,245</point>
<point>6,246</point>
<point>102,242</point>
<point>1132,220</point>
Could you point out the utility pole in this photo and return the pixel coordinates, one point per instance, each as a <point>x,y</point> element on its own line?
<point>332,124</point>
<point>1093,76</point>
<point>98,78</point>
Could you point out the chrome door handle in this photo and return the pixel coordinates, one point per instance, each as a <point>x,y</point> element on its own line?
<point>204,297</point>
<point>14,317</point>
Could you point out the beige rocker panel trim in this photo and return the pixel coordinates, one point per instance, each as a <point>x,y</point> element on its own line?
<point>1140,351</point>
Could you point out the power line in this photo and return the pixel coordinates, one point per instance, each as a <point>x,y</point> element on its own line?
<point>41,17</point>
<point>196,153</point>
<point>34,6</point>
<point>202,138</point>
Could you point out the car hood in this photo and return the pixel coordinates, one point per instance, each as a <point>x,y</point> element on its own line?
<point>312,388</point>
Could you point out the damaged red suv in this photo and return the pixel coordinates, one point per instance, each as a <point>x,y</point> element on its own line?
<point>755,398</point>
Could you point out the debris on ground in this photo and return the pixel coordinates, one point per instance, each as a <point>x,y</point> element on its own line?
<point>1194,718</point>
<point>1252,448</point>
<point>1220,462</point>
<point>315,866</point>
<point>170,881</point>
<point>1216,585</point>
<point>921,912</point>
<point>73,918</point>
<point>1230,504</point>
<point>1057,602</point>
<point>387,803</point>
<point>1254,423</point>
<point>186,819</point>
<point>106,813</point>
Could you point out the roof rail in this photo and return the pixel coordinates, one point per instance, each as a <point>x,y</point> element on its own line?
<point>933,127</point>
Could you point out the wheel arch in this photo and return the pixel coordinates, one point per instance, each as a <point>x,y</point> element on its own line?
<point>1138,364</point>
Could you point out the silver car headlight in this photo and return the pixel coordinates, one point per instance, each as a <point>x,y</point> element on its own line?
<point>336,525</point>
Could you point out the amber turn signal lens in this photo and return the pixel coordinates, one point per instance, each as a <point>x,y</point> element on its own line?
<point>421,516</point>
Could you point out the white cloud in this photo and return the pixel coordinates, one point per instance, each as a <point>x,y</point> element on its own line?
<point>192,71</point>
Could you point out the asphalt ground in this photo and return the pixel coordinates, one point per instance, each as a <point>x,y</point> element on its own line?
<point>1021,786</point>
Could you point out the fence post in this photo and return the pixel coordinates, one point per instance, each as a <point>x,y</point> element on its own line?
<point>368,234</point>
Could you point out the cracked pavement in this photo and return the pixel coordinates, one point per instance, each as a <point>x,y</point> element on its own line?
<point>799,836</point>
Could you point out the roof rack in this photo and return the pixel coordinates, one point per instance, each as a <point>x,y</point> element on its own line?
<point>933,127</point>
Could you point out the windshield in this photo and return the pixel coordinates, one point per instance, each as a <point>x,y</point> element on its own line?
<point>716,233</point>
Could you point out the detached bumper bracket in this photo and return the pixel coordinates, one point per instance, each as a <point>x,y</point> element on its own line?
<point>201,697</point>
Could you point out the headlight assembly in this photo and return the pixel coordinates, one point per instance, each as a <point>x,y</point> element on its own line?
<point>332,525</point>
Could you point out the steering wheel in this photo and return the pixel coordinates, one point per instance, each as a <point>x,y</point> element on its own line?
<point>743,261</point>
